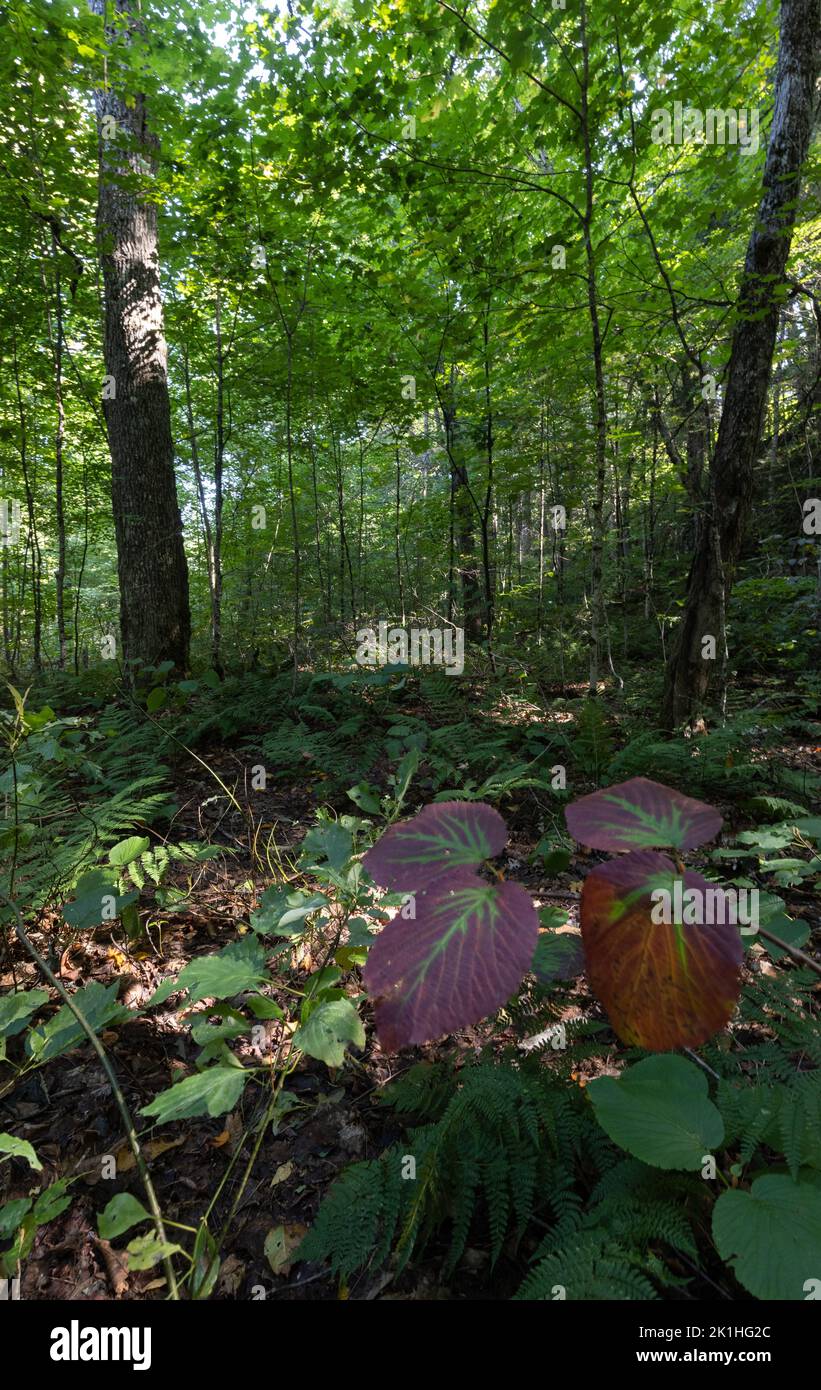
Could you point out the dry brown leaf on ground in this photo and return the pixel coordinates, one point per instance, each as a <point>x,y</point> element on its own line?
<point>116,1266</point>
<point>231,1276</point>
<point>282,1173</point>
<point>152,1149</point>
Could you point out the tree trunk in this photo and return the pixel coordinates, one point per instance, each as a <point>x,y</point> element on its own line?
<point>219,458</point>
<point>155,619</point>
<point>695,669</point>
<point>598,613</point>
<point>37,557</point>
<point>462,507</point>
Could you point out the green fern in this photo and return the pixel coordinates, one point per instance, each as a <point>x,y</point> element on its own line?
<point>588,1266</point>
<point>784,1118</point>
<point>592,746</point>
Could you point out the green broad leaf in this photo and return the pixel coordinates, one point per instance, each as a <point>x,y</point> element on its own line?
<point>15,1009</point>
<point>771,1236</point>
<point>322,980</point>
<point>329,1029</point>
<point>204,1032</point>
<point>156,699</point>
<point>792,931</point>
<point>128,850</point>
<point>366,797</point>
<point>810,827</point>
<point>554,858</point>
<point>769,837</point>
<point>791,866</point>
<point>37,719</point>
<point>96,900</point>
<point>170,896</point>
<point>52,1202</point>
<point>11,1214</point>
<point>326,844</point>
<point>19,1148</point>
<point>121,1213</point>
<point>202,852</point>
<point>263,1007</point>
<point>163,992</point>
<point>659,1110</point>
<point>238,967</point>
<point>283,912</point>
<point>146,1251</point>
<point>553,917</point>
<point>210,1092</point>
<point>359,934</point>
<point>99,1007</point>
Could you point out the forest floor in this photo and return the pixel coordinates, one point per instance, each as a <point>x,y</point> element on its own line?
<point>68,1114</point>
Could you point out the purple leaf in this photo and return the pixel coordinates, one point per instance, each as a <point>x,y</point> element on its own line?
<point>444,836</point>
<point>641,814</point>
<point>466,952</point>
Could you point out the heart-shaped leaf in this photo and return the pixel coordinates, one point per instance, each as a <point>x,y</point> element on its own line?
<point>641,814</point>
<point>444,836</point>
<point>659,1110</point>
<point>771,1235</point>
<point>95,895</point>
<point>465,953</point>
<point>664,984</point>
<point>122,1212</point>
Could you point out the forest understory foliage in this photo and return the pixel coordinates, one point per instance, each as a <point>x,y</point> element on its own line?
<point>410,575</point>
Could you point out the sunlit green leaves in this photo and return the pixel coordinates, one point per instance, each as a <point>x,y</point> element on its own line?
<point>331,1027</point>
<point>210,1092</point>
<point>98,1006</point>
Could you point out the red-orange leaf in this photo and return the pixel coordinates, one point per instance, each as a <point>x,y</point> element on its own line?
<point>663,985</point>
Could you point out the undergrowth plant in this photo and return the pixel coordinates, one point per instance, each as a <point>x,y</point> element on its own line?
<point>620,1175</point>
<point>603,1190</point>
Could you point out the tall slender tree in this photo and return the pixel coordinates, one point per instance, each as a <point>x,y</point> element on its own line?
<point>154,611</point>
<point>696,661</point>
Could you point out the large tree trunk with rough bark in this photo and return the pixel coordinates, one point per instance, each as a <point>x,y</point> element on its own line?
<point>154,612</point>
<point>696,671</point>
